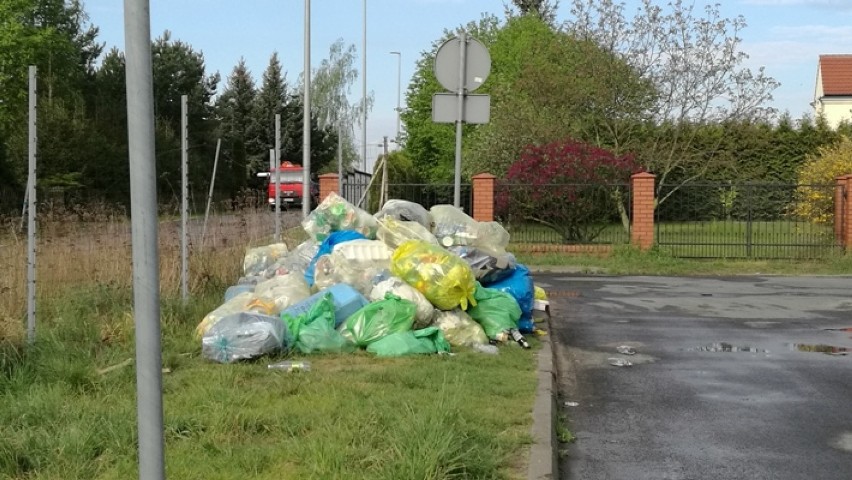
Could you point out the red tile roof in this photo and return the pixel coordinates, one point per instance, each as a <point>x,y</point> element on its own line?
<point>836,74</point>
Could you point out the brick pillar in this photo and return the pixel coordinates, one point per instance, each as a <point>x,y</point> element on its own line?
<point>327,184</point>
<point>483,197</point>
<point>846,233</point>
<point>642,227</point>
<point>838,208</point>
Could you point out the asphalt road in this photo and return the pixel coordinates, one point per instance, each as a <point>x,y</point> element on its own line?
<point>724,383</point>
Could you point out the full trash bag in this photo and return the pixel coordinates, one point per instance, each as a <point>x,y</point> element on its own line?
<point>425,311</point>
<point>239,303</point>
<point>313,331</point>
<point>327,246</point>
<point>495,310</point>
<point>520,286</point>
<point>296,260</point>
<point>459,329</point>
<point>379,319</point>
<point>259,259</point>
<point>394,232</point>
<point>453,227</point>
<point>423,341</point>
<point>243,336</point>
<point>335,213</point>
<point>442,277</point>
<point>405,211</point>
<point>357,263</point>
<point>283,291</point>
<point>487,265</point>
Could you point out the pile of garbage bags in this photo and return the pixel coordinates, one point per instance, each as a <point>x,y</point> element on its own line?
<point>404,281</point>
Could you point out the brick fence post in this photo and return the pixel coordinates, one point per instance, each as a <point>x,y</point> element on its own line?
<point>840,185</point>
<point>327,184</point>
<point>846,215</point>
<point>483,197</point>
<point>642,227</point>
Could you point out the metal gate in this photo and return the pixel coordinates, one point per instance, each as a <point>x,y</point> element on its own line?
<point>749,220</point>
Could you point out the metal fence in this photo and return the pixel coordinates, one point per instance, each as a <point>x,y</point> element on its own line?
<point>425,194</point>
<point>746,220</point>
<point>564,213</point>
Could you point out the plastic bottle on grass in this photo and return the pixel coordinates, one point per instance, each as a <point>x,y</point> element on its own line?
<point>291,366</point>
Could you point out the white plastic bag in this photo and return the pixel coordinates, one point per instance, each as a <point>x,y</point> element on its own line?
<point>459,329</point>
<point>394,232</point>
<point>453,226</point>
<point>405,211</point>
<point>357,263</point>
<point>425,314</point>
<point>295,261</point>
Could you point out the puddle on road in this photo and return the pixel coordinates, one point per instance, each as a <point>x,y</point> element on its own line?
<point>727,347</point>
<point>820,348</point>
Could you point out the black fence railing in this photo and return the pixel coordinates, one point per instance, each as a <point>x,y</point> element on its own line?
<point>564,213</point>
<point>746,220</point>
<point>427,195</point>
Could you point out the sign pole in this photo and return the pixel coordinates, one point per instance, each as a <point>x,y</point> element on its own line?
<point>460,119</point>
<point>31,210</point>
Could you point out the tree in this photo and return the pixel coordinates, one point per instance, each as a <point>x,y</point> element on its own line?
<point>330,85</point>
<point>542,9</point>
<point>273,97</point>
<point>547,86</point>
<point>234,110</point>
<point>570,186</point>
<point>696,67</point>
<point>815,202</point>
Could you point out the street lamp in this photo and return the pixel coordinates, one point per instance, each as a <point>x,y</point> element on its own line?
<point>398,83</point>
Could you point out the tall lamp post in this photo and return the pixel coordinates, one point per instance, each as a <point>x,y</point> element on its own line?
<point>364,90</point>
<point>398,84</point>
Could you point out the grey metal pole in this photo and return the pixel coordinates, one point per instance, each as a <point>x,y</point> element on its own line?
<point>460,118</point>
<point>306,118</point>
<point>31,209</point>
<point>184,197</point>
<point>398,91</point>
<point>384,196</point>
<point>277,168</point>
<point>364,90</point>
<point>340,158</point>
<point>210,193</point>
<point>146,269</point>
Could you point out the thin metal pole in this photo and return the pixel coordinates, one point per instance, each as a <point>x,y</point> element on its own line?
<point>364,90</point>
<point>277,160</point>
<point>339,158</point>
<point>210,193</point>
<point>31,210</point>
<point>146,269</point>
<point>398,91</point>
<point>306,118</point>
<point>384,196</point>
<point>184,197</point>
<point>460,119</point>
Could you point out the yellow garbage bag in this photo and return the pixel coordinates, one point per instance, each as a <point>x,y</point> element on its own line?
<point>539,293</point>
<point>441,276</point>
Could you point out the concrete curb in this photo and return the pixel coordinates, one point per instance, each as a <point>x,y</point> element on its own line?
<point>543,462</point>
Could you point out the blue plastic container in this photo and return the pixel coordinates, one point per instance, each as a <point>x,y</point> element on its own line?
<point>347,301</point>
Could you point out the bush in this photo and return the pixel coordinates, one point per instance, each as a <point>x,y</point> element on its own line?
<point>814,202</point>
<point>574,188</point>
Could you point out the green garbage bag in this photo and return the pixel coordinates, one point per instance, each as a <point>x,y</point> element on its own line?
<point>495,310</point>
<point>423,341</point>
<point>313,331</point>
<point>379,319</point>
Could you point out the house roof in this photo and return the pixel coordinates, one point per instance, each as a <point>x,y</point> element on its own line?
<point>836,74</point>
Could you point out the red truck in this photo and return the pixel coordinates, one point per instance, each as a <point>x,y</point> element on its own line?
<point>290,186</point>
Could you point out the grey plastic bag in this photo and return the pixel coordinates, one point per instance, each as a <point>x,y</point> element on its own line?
<point>243,336</point>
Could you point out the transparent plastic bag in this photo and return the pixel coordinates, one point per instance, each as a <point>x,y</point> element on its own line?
<point>356,263</point>
<point>394,232</point>
<point>425,313</point>
<point>295,261</point>
<point>243,336</point>
<point>405,211</point>
<point>492,235</point>
<point>335,213</point>
<point>441,276</point>
<point>283,291</point>
<point>236,304</point>
<point>453,227</point>
<point>259,259</point>
<point>459,329</point>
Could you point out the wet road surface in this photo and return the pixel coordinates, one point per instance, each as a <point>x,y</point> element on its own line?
<point>732,378</point>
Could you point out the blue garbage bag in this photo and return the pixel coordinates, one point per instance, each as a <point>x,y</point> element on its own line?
<point>335,238</point>
<point>520,286</point>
